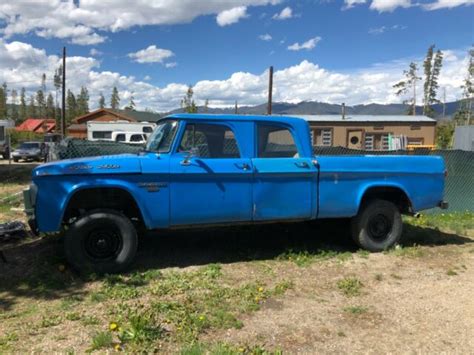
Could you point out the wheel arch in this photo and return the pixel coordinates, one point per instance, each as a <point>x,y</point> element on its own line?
<point>112,197</point>
<point>389,192</point>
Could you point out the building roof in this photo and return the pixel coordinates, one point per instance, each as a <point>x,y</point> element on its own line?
<point>127,115</point>
<point>365,118</point>
<point>40,125</point>
<point>308,118</point>
<point>141,116</point>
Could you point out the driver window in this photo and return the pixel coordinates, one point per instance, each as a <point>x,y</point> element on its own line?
<point>276,142</point>
<point>210,141</point>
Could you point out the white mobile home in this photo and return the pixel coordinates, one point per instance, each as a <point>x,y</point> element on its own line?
<point>104,131</point>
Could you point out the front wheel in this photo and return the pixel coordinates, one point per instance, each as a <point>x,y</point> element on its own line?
<point>101,241</point>
<point>378,226</point>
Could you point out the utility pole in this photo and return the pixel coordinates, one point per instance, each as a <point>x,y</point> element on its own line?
<point>236,108</point>
<point>63,110</point>
<point>270,90</point>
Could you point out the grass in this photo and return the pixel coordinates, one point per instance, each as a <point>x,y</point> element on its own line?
<point>451,272</point>
<point>101,340</point>
<point>227,349</point>
<point>457,222</point>
<point>356,310</point>
<point>304,257</point>
<point>350,286</point>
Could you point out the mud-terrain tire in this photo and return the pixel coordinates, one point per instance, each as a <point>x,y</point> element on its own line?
<point>378,226</point>
<point>101,241</point>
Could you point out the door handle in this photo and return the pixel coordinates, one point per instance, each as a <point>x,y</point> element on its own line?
<point>243,166</point>
<point>302,164</point>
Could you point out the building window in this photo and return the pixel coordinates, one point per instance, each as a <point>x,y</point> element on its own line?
<point>376,141</point>
<point>120,137</point>
<point>102,134</point>
<point>321,137</point>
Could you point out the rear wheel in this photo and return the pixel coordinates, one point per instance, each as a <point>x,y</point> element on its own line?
<point>102,241</point>
<point>378,226</point>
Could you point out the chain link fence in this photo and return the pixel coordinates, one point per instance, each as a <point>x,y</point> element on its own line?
<point>459,191</point>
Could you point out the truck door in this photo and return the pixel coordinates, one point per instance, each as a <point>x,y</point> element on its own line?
<point>285,183</point>
<point>210,181</point>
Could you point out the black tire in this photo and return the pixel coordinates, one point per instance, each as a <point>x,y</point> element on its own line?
<point>378,226</point>
<point>102,241</point>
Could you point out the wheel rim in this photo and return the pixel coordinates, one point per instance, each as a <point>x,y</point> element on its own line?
<point>103,244</point>
<point>379,227</point>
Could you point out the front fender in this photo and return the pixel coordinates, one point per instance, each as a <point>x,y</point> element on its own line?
<point>54,195</point>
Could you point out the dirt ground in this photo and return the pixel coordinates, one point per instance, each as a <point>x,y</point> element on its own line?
<point>416,298</point>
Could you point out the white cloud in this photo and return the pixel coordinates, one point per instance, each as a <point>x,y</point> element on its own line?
<point>389,5</point>
<point>171,65</point>
<point>147,78</point>
<point>285,14</point>
<point>95,52</point>
<point>383,29</point>
<point>23,65</point>
<point>82,22</point>
<point>152,54</point>
<point>265,37</point>
<point>308,45</point>
<point>449,4</point>
<point>229,17</point>
<point>349,4</point>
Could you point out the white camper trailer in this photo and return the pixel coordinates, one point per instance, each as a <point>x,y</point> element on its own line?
<point>4,148</point>
<point>104,131</point>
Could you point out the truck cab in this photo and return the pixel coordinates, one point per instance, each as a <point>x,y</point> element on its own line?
<point>200,170</point>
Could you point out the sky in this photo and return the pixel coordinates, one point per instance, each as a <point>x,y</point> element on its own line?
<point>334,51</point>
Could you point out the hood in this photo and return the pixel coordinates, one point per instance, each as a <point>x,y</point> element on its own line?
<point>110,164</point>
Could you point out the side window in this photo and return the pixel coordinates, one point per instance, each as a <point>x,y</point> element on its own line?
<point>136,138</point>
<point>120,137</point>
<point>275,142</point>
<point>210,141</point>
<point>102,134</point>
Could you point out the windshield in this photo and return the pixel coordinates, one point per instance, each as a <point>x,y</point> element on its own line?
<point>162,138</point>
<point>29,146</point>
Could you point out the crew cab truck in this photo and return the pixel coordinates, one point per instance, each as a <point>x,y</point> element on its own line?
<point>200,170</point>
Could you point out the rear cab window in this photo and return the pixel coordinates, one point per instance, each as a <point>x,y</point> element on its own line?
<point>275,141</point>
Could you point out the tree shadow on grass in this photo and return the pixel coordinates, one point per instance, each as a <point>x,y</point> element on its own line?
<point>34,271</point>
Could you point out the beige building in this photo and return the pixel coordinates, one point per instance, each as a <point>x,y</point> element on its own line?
<point>371,132</point>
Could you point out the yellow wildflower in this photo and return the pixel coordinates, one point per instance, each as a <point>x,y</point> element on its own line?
<point>260,289</point>
<point>113,326</point>
<point>202,317</point>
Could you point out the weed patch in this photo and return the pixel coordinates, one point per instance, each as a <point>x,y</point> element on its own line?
<point>350,286</point>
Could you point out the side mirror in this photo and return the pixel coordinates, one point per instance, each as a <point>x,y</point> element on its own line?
<point>193,152</point>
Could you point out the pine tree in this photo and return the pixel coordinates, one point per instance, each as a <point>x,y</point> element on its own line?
<point>83,102</point>
<point>31,110</point>
<point>464,112</point>
<point>131,104</point>
<point>408,85</point>
<point>187,103</point>
<point>22,111</point>
<point>40,97</point>
<point>14,115</point>
<point>71,107</point>
<point>101,101</point>
<point>50,107</point>
<point>3,101</point>
<point>115,99</point>
<point>432,68</point>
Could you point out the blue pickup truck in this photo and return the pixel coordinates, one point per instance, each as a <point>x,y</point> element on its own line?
<point>199,170</point>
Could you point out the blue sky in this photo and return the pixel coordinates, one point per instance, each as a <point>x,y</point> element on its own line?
<point>196,42</point>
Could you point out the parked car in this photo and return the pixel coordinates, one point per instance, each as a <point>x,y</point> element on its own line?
<point>4,147</point>
<point>200,170</point>
<point>30,151</point>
